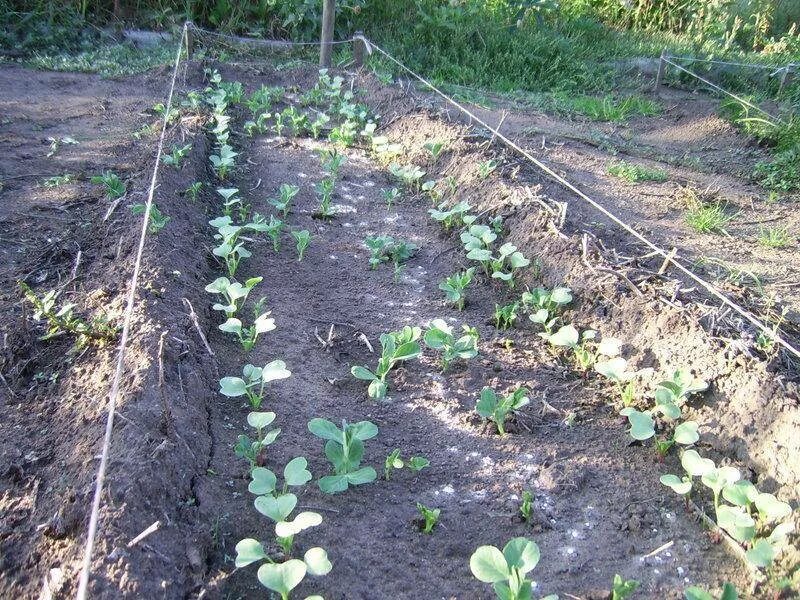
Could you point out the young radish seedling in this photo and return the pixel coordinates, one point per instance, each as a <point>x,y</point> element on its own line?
<point>283,204</point>
<point>616,370</point>
<point>223,162</point>
<point>273,230</point>
<point>113,185</point>
<point>394,461</point>
<point>247,336</point>
<point>506,570</point>
<point>455,286</point>
<point>253,381</point>
<point>344,448</point>
<point>504,316</point>
<point>390,196</point>
<point>454,217</point>
<point>585,350</point>
<point>440,337</point>
<point>395,347</point>
<point>543,305</point>
<point>408,175</point>
<point>487,167</point>
<point>157,220</point>
<point>250,449</point>
<point>233,293</point>
<point>622,588</point>
<point>434,148</point>
<point>430,517</point>
<point>506,262</point>
<point>175,158</point>
<point>303,239</point>
<point>497,409</point>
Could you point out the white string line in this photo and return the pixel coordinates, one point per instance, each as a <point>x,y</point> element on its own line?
<point>126,326</point>
<point>671,258</point>
<point>286,43</point>
<point>724,91</point>
<point>775,68</point>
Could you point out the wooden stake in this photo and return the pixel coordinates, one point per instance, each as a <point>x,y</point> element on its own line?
<point>189,40</point>
<point>667,260</point>
<point>358,51</point>
<point>328,18</point>
<point>661,66</point>
<point>786,77</point>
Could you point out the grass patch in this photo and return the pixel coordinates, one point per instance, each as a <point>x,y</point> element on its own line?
<point>605,108</point>
<point>636,173</point>
<point>775,237</point>
<point>708,218</point>
<point>113,60</point>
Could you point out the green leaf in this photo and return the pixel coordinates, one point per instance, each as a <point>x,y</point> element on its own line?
<point>332,484</point>
<point>614,368</point>
<point>274,370</point>
<point>277,508</point>
<point>260,420</point>
<point>489,565</point>
<point>295,472</point>
<point>642,425</point>
<point>729,592</point>
<point>487,403</point>
<point>361,476</point>
<point>736,522</point>
<point>739,493</point>
<point>417,463</point>
<point>232,325</point>
<point>304,520</point>
<point>695,465</point>
<point>377,389</point>
<point>322,428</point>
<point>282,577</point>
<point>363,373</point>
<point>263,481</point>
<point>686,433</point>
<point>232,387</point>
<point>249,551</point>
<point>561,295</point>
<point>761,554</point>
<point>721,477</point>
<point>406,351</point>
<point>678,485</point>
<point>522,554</point>
<point>363,430</point>
<point>772,508</point>
<point>567,336</point>
<point>316,560</point>
<point>697,593</point>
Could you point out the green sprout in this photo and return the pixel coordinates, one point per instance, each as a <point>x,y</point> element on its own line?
<point>394,461</point>
<point>430,517</point>
<point>113,185</point>
<point>251,449</point>
<point>344,448</point>
<point>697,593</point>
<point>390,195</point>
<point>157,220</point>
<point>325,190</point>
<point>526,507</point>
<point>297,121</point>
<point>58,180</point>
<point>223,162</point>
<point>175,158</point>
<point>440,337</point>
<point>260,125</point>
<point>317,124</point>
<point>622,588</point>
<point>232,292</point>
<point>487,167</point>
<point>253,381</point>
<point>193,191</point>
<point>454,217</point>
<point>506,570</point>
<point>283,204</point>
<point>633,173</point>
<point>247,336</point>
<point>497,409</point>
<point>543,304</point>
<point>434,148</point>
<point>273,230</point>
<point>504,316</point>
<point>384,248</point>
<point>396,347</point>
<point>303,239</point>
<point>455,286</point>
<point>408,175</point>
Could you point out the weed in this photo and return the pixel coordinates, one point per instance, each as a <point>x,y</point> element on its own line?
<point>455,287</point>
<point>390,196</point>
<point>497,409</point>
<point>606,108</point>
<point>193,190</point>
<point>394,461</point>
<point>344,448</point>
<point>303,239</point>
<point>430,517</point>
<point>253,381</point>
<point>708,218</point>
<point>635,173</point>
<point>233,293</point>
<point>59,180</point>
<point>775,237</point>
<point>176,156</point>
<point>440,337</point>
<point>157,220</point>
<point>396,347</point>
<point>504,316</point>
<point>114,188</point>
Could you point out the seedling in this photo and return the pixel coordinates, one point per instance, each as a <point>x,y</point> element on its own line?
<point>296,120</point>
<point>260,125</point>
<point>261,100</point>
<point>394,461</point>
<point>193,190</point>
<point>390,196</point>
<point>223,162</point>
<point>250,449</point>
<point>582,345</point>
<point>332,161</point>
<point>508,260</point>
<point>344,134</point>
<point>303,239</point>
<point>273,229</point>
<point>697,593</point>
<point>408,175</point>
<point>430,517</point>
<point>440,337</point>
<point>58,180</point>
<point>233,91</point>
<point>487,167</point>
<point>622,588</point>
<point>63,320</point>
<point>506,570</point>
<point>504,316</point>
<point>497,409</point>
<point>526,507</point>
<point>616,369</point>
<point>455,286</point>
<point>113,185</point>
<point>175,158</point>
<point>543,305</point>
<point>325,192</point>
<point>157,220</point>
<point>230,249</point>
<point>454,217</point>
<point>231,200</point>
<point>395,347</point>
<point>247,336</point>
<point>282,578</point>
<point>477,242</point>
<point>252,382</point>
<point>384,248</point>
<point>233,293</point>
<point>283,204</point>
<point>496,223</point>
<point>344,448</point>
<point>434,148</point>
<point>55,143</point>
<point>317,124</point>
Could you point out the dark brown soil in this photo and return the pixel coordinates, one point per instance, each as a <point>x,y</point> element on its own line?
<point>599,507</point>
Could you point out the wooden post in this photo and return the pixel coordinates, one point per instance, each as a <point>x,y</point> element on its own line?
<point>328,17</point>
<point>189,40</point>
<point>661,65</point>
<point>786,77</point>
<point>358,51</point>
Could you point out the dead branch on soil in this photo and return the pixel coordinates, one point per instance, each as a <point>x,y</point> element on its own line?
<point>193,316</point>
<point>585,259</point>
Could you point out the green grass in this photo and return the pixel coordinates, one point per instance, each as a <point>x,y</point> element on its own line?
<point>113,60</point>
<point>636,173</point>
<point>775,237</point>
<point>605,108</point>
<point>708,218</point>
